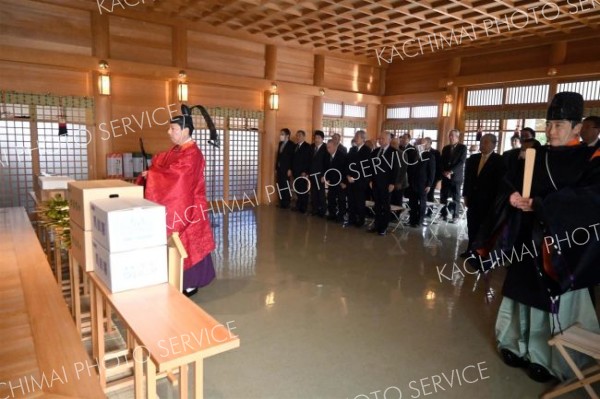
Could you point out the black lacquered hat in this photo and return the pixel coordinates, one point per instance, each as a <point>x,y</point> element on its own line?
<point>566,106</point>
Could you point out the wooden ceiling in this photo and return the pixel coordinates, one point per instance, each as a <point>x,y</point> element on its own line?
<point>362,27</point>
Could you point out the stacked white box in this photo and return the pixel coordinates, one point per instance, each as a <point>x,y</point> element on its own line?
<point>129,237</point>
<point>80,194</point>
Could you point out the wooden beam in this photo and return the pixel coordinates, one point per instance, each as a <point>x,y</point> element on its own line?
<point>564,71</point>
<point>429,97</point>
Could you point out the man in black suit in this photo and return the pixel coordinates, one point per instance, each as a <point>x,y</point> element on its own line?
<point>334,177</point>
<point>357,182</point>
<point>300,170</point>
<point>383,179</point>
<point>453,160</point>
<point>590,129</point>
<point>483,172</point>
<point>437,157</point>
<point>317,169</point>
<point>421,172</point>
<point>283,166</point>
<point>514,159</point>
<point>337,139</point>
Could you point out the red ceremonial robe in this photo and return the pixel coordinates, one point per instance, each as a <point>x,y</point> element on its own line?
<point>176,180</point>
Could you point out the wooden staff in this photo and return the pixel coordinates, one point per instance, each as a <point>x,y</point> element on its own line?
<point>528,175</point>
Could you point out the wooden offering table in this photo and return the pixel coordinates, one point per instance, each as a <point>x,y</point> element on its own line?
<point>41,351</point>
<point>168,332</point>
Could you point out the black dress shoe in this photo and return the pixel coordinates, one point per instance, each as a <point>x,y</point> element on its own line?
<point>382,233</point>
<point>512,360</point>
<point>331,217</point>
<point>539,373</point>
<point>190,293</point>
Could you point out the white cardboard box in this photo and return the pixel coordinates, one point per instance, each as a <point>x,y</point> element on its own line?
<point>125,224</point>
<point>54,182</point>
<point>131,269</point>
<point>81,192</point>
<point>81,246</point>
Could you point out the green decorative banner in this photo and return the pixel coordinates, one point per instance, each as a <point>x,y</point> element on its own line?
<point>536,113</point>
<point>13,97</point>
<point>343,123</point>
<point>235,113</point>
<point>411,124</point>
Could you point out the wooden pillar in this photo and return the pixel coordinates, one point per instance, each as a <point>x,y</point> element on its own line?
<point>382,77</point>
<point>179,47</point>
<point>102,104</point>
<point>317,114</point>
<point>319,81</point>
<point>270,135</point>
<point>271,62</point>
<point>268,148</point>
<point>319,71</point>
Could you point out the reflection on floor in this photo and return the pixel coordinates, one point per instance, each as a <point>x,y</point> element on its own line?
<point>330,312</point>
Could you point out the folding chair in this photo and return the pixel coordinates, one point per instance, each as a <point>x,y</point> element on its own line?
<point>397,212</point>
<point>583,341</point>
<point>370,205</point>
<point>435,211</point>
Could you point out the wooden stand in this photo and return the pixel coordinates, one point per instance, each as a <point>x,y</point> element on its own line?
<point>174,317</point>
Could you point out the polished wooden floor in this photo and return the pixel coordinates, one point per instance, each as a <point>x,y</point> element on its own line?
<point>329,312</point>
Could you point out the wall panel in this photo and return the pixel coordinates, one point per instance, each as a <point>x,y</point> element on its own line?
<point>295,113</point>
<point>295,65</point>
<point>351,76</point>
<point>215,53</point>
<point>139,98</point>
<point>415,76</point>
<point>45,26</point>
<point>43,79</point>
<point>140,41</point>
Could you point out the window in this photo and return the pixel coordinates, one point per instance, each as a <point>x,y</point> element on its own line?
<point>214,171</point>
<point>422,133</point>
<point>472,127</point>
<point>332,109</point>
<point>429,111</point>
<point>64,155</point>
<point>16,169</point>
<point>340,110</point>
<point>590,90</point>
<point>398,112</point>
<point>29,144</point>
<point>243,159</point>
<point>511,126</point>
<point>419,121</point>
<point>238,146</point>
<point>484,97</point>
<point>355,111</point>
<point>527,94</point>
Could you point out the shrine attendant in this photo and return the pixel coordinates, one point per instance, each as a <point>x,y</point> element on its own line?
<point>176,180</point>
